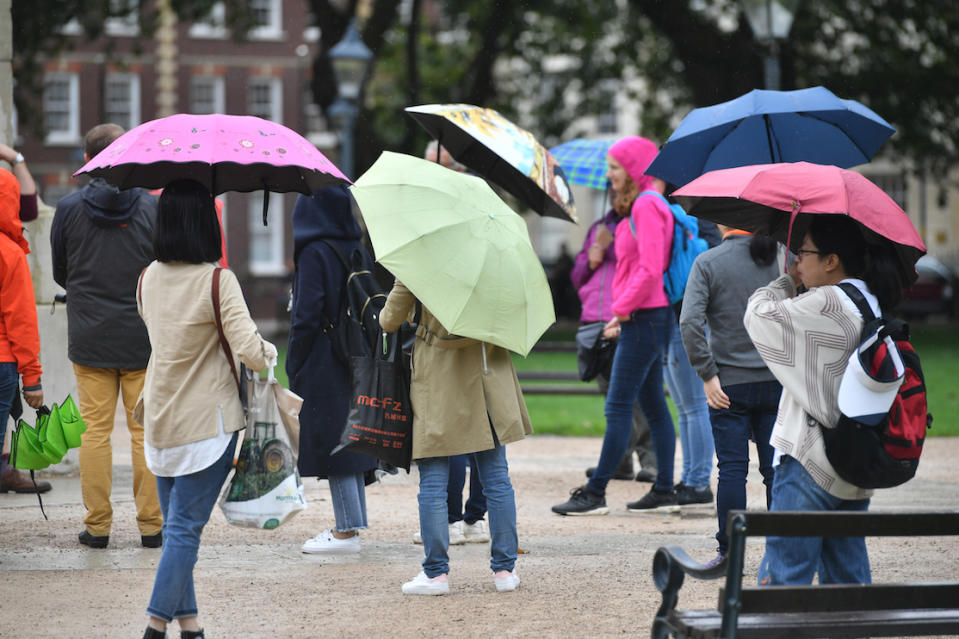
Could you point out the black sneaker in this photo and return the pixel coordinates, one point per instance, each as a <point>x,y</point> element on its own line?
<point>655,501</point>
<point>93,541</point>
<point>152,541</point>
<point>582,502</point>
<point>689,495</point>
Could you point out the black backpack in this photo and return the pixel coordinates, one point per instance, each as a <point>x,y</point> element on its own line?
<point>887,454</point>
<point>356,331</point>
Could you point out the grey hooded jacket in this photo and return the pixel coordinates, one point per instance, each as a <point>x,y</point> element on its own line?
<point>102,238</point>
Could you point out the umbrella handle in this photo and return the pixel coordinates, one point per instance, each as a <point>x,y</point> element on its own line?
<point>266,204</point>
<point>789,233</point>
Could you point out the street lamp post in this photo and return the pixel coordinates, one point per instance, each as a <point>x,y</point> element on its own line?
<point>350,59</point>
<point>770,21</point>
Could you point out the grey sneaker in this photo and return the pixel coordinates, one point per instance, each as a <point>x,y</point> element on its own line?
<point>655,501</point>
<point>582,502</point>
<point>689,495</point>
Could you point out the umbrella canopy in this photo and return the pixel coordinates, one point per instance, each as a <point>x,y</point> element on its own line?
<point>778,200</point>
<point>501,152</point>
<point>222,152</point>
<point>762,127</point>
<point>459,248</point>
<point>584,161</point>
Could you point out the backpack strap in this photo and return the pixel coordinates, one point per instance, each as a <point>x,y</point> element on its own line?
<point>859,300</point>
<point>224,344</point>
<point>632,225</point>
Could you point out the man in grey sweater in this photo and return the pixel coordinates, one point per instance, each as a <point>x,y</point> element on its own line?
<point>743,395</point>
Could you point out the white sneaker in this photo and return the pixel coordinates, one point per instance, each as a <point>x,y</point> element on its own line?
<point>508,583</point>
<point>457,533</point>
<point>325,542</point>
<point>476,532</point>
<point>423,585</point>
<point>418,538</point>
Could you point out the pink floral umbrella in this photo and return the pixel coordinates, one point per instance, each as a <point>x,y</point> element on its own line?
<point>778,200</point>
<point>222,152</point>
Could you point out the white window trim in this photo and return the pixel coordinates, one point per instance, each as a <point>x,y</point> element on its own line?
<point>274,29</point>
<point>276,96</point>
<point>276,265</point>
<point>71,135</point>
<point>134,86</point>
<point>219,92</point>
<point>213,27</point>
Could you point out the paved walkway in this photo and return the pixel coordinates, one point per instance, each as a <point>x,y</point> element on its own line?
<point>582,577</point>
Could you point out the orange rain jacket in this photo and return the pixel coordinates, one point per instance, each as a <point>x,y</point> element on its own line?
<point>19,337</point>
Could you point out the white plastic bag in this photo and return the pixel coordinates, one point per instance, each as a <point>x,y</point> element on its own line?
<point>265,489</point>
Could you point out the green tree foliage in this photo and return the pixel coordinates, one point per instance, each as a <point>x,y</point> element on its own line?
<point>545,63</point>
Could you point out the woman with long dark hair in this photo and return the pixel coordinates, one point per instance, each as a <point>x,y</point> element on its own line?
<point>191,409</point>
<point>742,393</point>
<point>806,340</point>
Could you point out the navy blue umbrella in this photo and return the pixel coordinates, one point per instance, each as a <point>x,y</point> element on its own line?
<point>765,127</point>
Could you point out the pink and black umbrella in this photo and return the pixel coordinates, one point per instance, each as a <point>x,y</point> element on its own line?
<point>222,152</point>
<point>778,200</point>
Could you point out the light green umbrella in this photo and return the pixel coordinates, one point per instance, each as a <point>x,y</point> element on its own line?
<point>459,248</point>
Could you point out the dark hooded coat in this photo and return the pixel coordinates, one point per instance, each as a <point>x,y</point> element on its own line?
<point>102,238</point>
<point>315,374</point>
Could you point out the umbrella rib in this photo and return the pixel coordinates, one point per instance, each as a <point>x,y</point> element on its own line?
<point>770,138</point>
<point>807,114</point>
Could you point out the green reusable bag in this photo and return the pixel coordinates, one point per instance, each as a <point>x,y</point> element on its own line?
<point>50,433</point>
<point>71,422</point>
<point>25,450</point>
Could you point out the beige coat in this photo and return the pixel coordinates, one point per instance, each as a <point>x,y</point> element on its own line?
<point>451,393</point>
<point>188,379</point>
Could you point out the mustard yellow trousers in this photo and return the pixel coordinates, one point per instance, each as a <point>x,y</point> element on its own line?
<point>98,390</point>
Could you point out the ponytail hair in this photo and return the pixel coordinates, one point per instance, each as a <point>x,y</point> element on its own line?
<point>763,249</point>
<point>874,263</point>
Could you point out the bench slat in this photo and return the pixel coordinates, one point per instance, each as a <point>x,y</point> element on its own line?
<point>705,624</point>
<point>559,390</point>
<point>848,524</point>
<point>852,597</point>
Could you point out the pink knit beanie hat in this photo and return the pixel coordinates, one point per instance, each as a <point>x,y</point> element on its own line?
<point>635,155</point>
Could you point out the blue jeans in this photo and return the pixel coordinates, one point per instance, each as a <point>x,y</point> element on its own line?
<point>348,494</point>
<point>793,561</point>
<point>9,378</point>
<point>186,502</point>
<point>476,503</point>
<point>637,375</point>
<point>751,415</point>
<point>434,524</point>
<point>695,434</point>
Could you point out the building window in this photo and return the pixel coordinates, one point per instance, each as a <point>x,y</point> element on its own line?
<point>267,19</point>
<point>212,26</point>
<point>127,20</point>
<point>121,99</point>
<point>264,98</point>
<point>61,108</point>
<point>266,242</point>
<point>206,94</point>
<point>607,121</point>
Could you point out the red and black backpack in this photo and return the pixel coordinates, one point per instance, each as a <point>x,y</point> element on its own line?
<point>887,454</point>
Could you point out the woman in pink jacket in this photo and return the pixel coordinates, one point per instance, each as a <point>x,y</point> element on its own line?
<point>641,316</point>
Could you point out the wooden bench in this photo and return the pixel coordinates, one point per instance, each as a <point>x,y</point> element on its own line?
<point>875,610</point>
<point>537,388</point>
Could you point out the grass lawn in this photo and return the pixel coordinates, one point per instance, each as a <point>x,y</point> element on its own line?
<point>937,345</point>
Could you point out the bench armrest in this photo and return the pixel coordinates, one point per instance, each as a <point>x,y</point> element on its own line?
<point>670,566</point>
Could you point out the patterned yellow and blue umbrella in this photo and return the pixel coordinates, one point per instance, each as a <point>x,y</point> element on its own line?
<point>584,161</point>
<point>501,152</point>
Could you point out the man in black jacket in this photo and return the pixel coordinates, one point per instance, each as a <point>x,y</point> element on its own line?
<point>102,238</point>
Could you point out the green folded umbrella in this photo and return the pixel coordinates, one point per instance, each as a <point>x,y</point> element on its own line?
<point>26,452</point>
<point>459,248</point>
<point>50,433</point>
<point>71,421</point>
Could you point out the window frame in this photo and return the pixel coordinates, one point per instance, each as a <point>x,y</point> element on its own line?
<point>133,89</point>
<point>275,231</point>
<point>70,135</point>
<point>219,93</point>
<point>276,96</point>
